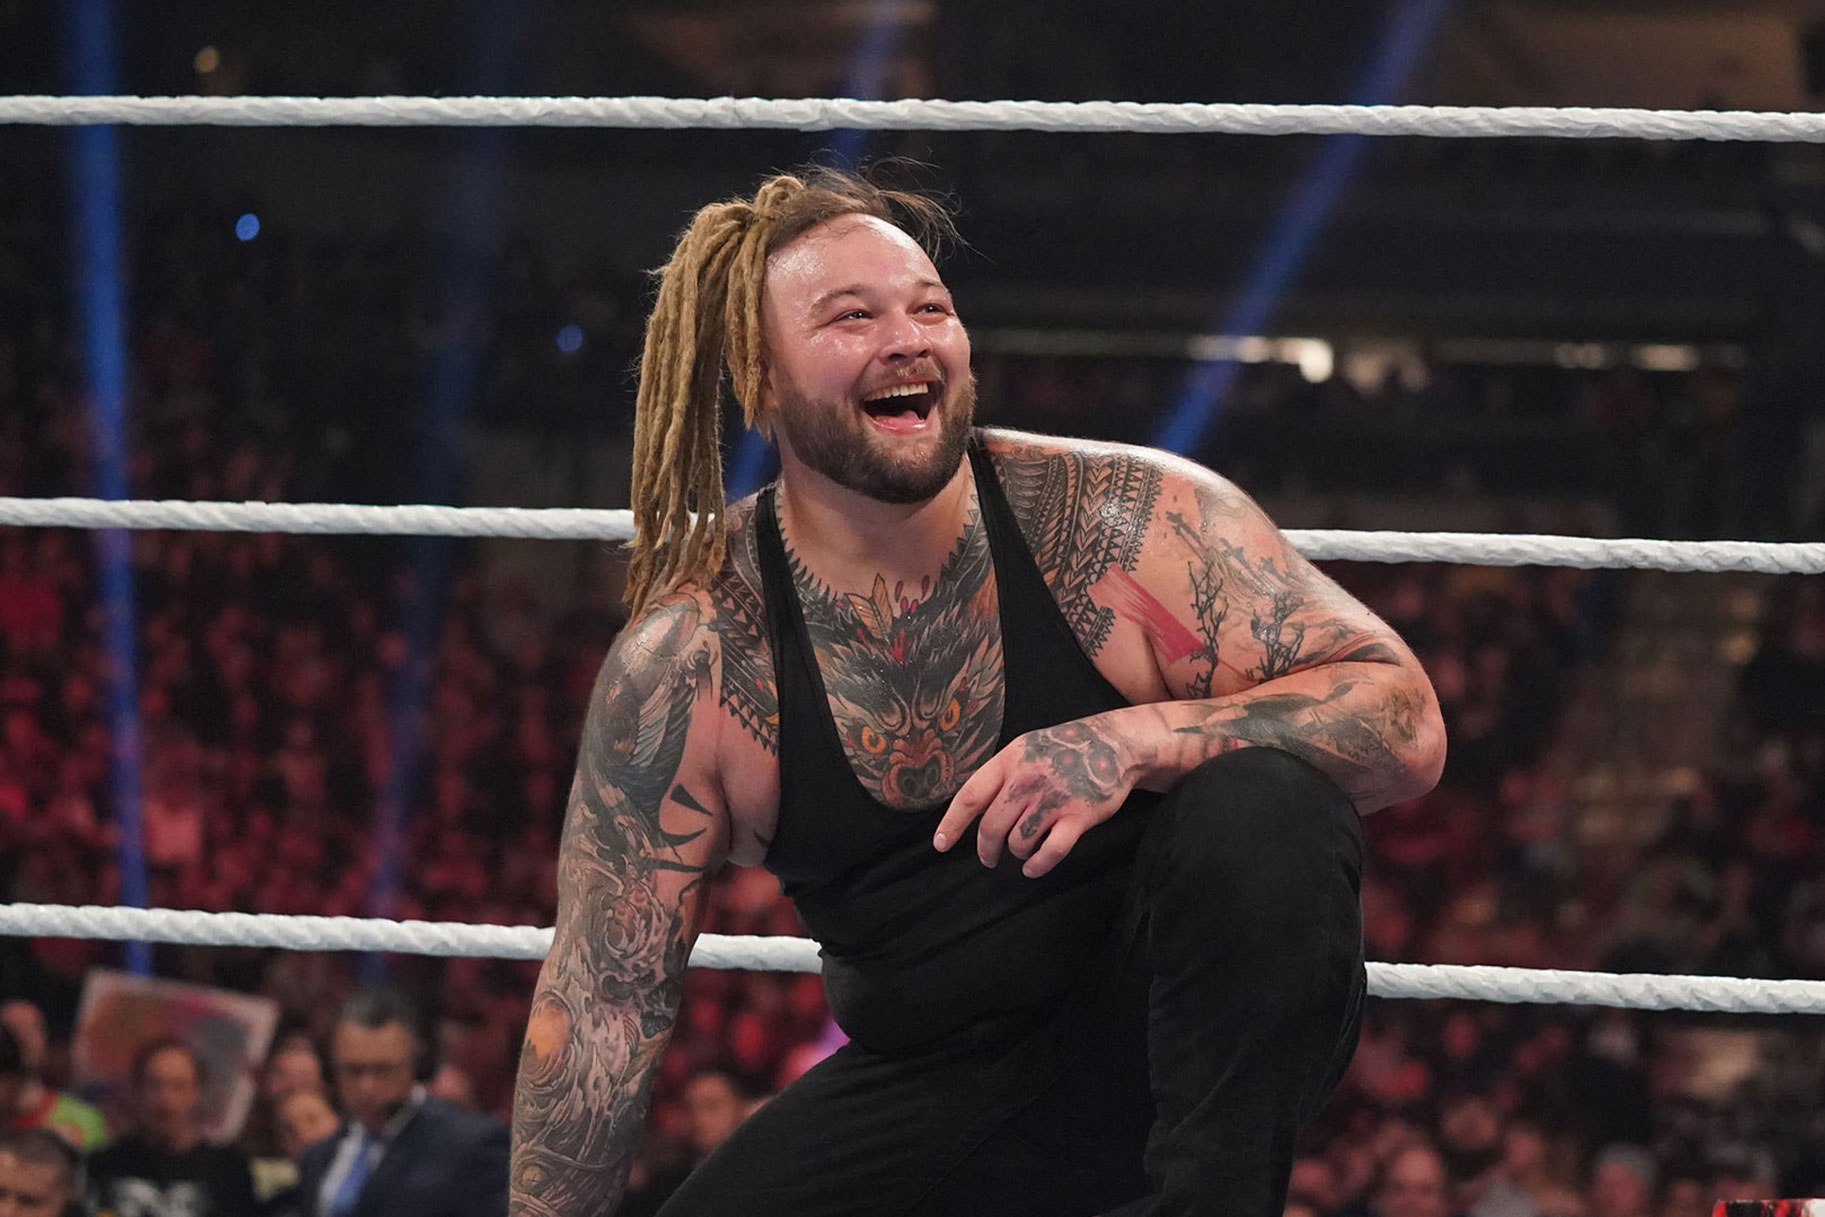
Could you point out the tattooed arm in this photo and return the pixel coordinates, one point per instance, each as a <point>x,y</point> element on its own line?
<point>1252,645</point>
<point>646,825</point>
<point>1269,651</point>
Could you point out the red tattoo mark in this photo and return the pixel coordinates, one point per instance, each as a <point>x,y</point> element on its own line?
<point>1170,637</point>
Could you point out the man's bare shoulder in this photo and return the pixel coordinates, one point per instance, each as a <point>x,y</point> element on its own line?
<point>1027,456</point>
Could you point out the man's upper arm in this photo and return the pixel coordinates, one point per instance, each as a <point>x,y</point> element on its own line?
<point>1248,608</point>
<point>645,827</point>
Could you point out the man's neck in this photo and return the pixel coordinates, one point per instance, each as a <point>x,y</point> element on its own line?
<point>846,538</point>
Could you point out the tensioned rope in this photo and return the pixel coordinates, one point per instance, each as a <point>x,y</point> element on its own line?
<point>586,524</point>
<point>1710,994</point>
<point>921,114</point>
<point>1385,980</point>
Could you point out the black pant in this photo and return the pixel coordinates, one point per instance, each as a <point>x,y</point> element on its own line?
<point>1172,1083</point>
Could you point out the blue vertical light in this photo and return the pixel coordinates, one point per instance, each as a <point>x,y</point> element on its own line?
<point>94,191</point>
<point>1208,383</point>
<point>753,460</point>
<point>474,200</point>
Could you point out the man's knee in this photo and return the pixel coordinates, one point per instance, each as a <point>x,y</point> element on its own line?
<point>1255,819</point>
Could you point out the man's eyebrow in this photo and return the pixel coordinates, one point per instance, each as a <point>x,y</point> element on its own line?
<point>836,293</point>
<point>857,289</point>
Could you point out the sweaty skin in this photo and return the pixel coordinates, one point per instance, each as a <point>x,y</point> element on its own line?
<point>1174,583</point>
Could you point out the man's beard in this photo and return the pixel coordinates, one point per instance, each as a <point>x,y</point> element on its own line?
<point>836,440</point>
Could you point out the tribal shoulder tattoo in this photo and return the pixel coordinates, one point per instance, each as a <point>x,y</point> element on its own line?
<point>631,881</point>
<point>747,690</point>
<point>914,675</point>
<point>1084,516</point>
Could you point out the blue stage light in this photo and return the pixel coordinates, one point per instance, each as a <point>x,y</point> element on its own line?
<point>247,227</point>
<point>1208,384</point>
<point>570,339</point>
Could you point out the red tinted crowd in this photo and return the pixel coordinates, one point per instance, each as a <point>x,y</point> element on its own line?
<point>273,736</point>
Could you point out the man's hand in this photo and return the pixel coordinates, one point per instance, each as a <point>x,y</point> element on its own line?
<point>1042,792</point>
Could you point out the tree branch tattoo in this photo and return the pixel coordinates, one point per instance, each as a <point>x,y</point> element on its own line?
<point>915,682</point>
<point>629,903</point>
<point>1208,606</point>
<point>1287,601</point>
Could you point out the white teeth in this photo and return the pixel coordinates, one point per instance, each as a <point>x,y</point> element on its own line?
<point>906,390</point>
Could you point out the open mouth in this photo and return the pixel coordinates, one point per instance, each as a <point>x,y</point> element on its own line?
<point>904,406</point>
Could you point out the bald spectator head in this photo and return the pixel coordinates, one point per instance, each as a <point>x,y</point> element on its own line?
<point>37,1173</point>
<point>1622,1181</point>
<point>1413,1184</point>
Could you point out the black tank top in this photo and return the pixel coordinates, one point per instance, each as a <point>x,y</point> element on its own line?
<point>917,946</point>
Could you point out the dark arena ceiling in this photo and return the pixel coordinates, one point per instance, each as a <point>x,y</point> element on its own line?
<point>1555,239</point>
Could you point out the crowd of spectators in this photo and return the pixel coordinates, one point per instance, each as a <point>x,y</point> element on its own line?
<point>275,739</point>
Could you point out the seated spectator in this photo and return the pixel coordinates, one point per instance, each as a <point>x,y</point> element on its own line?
<point>26,1021</point>
<point>305,1118</point>
<point>715,1104</point>
<point>1525,1184</point>
<point>294,1065</point>
<point>37,1174</point>
<point>1414,1184</point>
<point>302,1119</point>
<point>26,1102</point>
<point>164,1168</point>
<point>1622,1181</point>
<point>402,1152</point>
<point>1312,1186</point>
<point>1684,1196</point>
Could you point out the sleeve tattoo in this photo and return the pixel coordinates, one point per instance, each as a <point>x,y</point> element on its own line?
<point>629,900</point>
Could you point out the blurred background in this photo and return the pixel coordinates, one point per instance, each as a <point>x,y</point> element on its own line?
<point>1587,337</point>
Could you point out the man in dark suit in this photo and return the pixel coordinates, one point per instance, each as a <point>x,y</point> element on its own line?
<point>401,1152</point>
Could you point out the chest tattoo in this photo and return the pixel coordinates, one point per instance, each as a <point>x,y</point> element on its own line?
<point>914,676</point>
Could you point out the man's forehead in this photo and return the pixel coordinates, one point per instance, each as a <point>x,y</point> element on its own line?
<point>353,1039</point>
<point>835,249</point>
<point>17,1172</point>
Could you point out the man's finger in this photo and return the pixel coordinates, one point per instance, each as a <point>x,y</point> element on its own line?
<point>967,803</point>
<point>998,818</point>
<point>1057,844</point>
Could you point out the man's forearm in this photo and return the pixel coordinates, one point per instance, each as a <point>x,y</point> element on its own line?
<point>1372,728</point>
<point>578,1107</point>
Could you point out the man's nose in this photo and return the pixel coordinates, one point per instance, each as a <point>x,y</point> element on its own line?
<point>905,338</point>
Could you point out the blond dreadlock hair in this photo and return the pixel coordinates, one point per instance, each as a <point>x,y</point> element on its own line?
<point>707,319</point>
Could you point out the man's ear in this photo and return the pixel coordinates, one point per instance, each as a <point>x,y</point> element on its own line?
<point>768,405</point>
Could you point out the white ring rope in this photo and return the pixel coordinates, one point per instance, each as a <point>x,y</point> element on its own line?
<point>919,114</point>
<point>585,524</point>
<point>1711,994</point>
